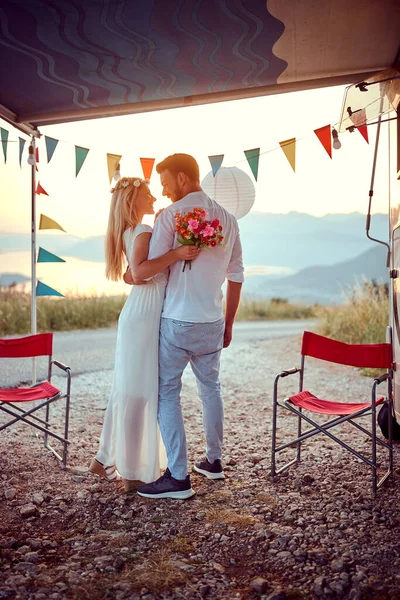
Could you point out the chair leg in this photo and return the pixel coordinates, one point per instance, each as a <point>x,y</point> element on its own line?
<point>274,419</point>
<point>374,462</point>
<point>298,435</point>
<point>67,402</point>
<point>46,437</point>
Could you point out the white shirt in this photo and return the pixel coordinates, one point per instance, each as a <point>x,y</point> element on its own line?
<point>195,295</point>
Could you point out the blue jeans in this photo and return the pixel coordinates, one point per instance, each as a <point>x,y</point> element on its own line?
<point>200,344</point>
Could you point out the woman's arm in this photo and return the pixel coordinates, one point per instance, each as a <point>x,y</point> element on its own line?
<point>142,268</point>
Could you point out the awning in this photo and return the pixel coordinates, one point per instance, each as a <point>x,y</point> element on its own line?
<point>66,60</point>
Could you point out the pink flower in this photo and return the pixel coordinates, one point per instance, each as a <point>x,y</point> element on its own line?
<point>208,231</point>
<point>193,225</point>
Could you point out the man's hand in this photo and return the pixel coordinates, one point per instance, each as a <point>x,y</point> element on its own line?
<point>227,335</point>
<point>131,280</point>
<point>158,213</point>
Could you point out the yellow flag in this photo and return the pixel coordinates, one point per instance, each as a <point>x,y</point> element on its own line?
<point>112,162</point>
<point>289,148</point>
<point>47,223</point>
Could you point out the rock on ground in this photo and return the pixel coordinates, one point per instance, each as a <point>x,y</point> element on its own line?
<point>315,532</point>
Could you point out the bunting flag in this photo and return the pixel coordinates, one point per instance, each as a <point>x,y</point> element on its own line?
<point>112,162</point>
<point>147,166</point>
<point>47,223</point>
<point>324,136</point>
<point>4,140</point>
<point>40,190</point>
<point>51,145</point>
<point>216,162</point>
<point>46,256</point>
<point>44,290</point>
<point>80,157</point>
<point>37,154</point>
<point>359,120</point>
<point>363,129</point>
<point>253,157</point>
<point>21,149</point>
<point>289,148</point>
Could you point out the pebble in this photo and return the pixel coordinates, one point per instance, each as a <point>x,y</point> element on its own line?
<point>313,532</point>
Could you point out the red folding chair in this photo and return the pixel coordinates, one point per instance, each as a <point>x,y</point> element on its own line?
<point>356,355</point>
<point>42,394</point>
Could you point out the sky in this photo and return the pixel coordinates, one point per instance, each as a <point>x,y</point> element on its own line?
<point>319,186</point>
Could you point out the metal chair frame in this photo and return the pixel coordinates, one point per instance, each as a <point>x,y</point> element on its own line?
<point>27,416</point>
<point>324,427</point>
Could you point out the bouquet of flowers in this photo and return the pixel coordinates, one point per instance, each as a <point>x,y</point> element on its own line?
<point>194,230</point>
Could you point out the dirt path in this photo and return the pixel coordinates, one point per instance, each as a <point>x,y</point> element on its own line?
<point>313,533</point>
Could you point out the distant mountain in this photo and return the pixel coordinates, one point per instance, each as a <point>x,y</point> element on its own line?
<point>322,284</point>
<point>292,240</point>
<point>10,279</point>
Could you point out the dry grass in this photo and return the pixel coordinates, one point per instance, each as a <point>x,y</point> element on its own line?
<point>157,573</point>
<point>180,545</point>
<point>229,516</point>
<point>362,319</point>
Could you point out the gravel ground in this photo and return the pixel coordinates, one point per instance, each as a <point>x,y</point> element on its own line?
<point>315,532</point>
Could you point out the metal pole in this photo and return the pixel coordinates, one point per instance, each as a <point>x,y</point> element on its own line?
<point>33,255</point>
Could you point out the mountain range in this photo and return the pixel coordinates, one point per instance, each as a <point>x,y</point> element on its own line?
<point>322,254</point>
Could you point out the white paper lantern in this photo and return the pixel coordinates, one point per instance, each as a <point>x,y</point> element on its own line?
<point>232,188</point>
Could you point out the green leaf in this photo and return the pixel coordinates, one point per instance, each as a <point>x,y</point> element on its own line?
<point>185,242</point>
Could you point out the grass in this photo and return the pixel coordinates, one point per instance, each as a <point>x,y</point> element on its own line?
<point>91,312</point>
<point>157,574</point>
<point>276,309</point>
<point>362,319</point>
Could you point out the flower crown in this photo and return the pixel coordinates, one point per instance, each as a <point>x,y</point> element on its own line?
<point>125,182</point>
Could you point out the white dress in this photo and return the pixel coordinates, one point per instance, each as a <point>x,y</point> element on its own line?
<point>130,437</point>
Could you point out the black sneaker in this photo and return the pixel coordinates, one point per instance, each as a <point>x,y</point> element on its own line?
<point>210,470</point>
<point>167,487</point>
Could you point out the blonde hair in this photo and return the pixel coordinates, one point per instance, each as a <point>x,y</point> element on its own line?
<point>122,216</point>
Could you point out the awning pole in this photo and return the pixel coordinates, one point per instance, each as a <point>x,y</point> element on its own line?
<point>33,254</point>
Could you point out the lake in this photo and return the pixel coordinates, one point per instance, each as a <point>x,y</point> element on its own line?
<point>79,277</point>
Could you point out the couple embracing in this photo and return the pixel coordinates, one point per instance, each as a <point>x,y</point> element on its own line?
<point>172,316</point>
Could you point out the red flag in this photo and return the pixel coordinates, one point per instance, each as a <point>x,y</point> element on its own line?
<point>324,136</point>
<point>147,166</point>
<point>37,155</point>
<point>363,129</point>
<point>40,190</point>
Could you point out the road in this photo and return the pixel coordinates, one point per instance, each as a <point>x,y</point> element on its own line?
<point>93,350</point>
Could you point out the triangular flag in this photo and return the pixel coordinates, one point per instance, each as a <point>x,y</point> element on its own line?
<point>37,155</point>
<point>47,223</point>
<point>216,162</point>
<point>46,256</point>
<point>80,157</point>
<point>253,158</point>
<point>51,145</point>
<point>44,290</point>
<point>324,136</point>
<point>147,166</point>
<point>363,129</point>
<point>289,148</point>
<point>112,162</point>
<point>4,140</point>
<point>21,149</point>
<point>40,190</point>
<point>359,120</point>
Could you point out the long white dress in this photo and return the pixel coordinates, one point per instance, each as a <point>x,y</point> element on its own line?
<point>130,437</point>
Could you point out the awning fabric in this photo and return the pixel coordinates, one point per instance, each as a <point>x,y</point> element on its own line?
<point>65,60</point>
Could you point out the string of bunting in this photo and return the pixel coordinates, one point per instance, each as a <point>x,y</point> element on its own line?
<point>327,135</point>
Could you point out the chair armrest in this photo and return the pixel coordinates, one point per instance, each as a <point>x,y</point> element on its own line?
<point>289,372</point>
<point>381,379</point>
<point>60,365</point>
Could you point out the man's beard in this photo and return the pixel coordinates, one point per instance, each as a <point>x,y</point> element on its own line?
<point>178,193</point>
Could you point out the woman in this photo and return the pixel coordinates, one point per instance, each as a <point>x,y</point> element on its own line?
<point>130,441</point>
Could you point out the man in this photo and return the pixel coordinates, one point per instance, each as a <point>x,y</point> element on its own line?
<point>192,325</point>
